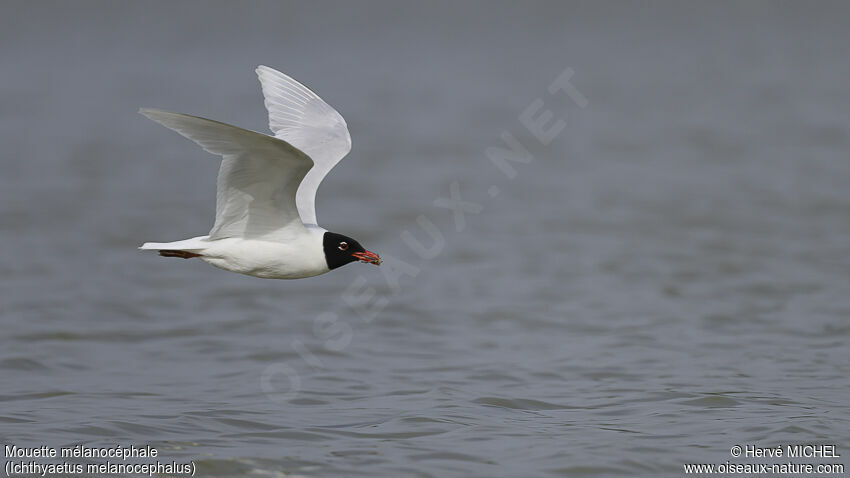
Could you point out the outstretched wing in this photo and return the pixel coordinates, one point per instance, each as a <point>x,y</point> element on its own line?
<point>258,179</point>
<point>299,117</point>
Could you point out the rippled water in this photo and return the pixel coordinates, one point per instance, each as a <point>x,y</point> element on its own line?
<point>667,278</point>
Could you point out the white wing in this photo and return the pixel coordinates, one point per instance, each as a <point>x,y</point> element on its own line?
<point>301,118</point>
<point>258,179</point>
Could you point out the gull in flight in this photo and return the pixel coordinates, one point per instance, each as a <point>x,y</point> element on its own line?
<point>265,214</point>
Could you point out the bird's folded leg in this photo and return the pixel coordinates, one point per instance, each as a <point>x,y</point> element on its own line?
<point>181,254</point>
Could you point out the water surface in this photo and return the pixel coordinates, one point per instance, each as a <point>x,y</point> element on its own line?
<point>666,279</point>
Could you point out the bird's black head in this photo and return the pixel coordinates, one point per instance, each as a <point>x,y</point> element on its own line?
<point>340,250</point>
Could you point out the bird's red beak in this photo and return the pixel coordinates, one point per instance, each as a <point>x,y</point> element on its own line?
<point>367,256</point>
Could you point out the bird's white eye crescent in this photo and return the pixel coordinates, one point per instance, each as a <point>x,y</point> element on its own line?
<point>343,246</point>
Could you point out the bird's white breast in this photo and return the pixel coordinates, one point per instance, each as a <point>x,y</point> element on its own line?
<point>301,257</point>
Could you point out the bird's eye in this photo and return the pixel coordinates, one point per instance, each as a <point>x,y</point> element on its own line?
<point>343,246</point>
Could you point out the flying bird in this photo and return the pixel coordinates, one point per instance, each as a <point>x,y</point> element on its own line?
<point>265,215</point>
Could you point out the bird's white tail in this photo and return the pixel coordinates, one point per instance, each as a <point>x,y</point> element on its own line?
<point>186,248</point>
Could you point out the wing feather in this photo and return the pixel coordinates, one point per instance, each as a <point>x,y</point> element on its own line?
<point>299,117</point>
<point>258,179</point>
